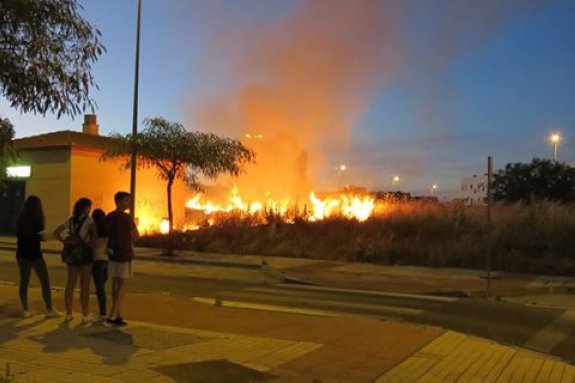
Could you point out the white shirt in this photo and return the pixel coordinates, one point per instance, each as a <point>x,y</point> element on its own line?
<point>84,230</point>
<point>100,246</point>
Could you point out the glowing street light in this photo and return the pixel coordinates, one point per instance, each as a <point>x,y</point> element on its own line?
<point>251,136</point>
<point>340,169</point>
<point>555,139</point>
<point>394,180</point>
<point>433,188</point>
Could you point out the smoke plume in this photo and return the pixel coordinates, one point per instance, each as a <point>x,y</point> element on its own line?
<point>304,80</point>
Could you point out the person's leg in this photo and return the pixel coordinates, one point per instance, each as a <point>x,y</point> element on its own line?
<point>99,274</point>
<point>70,285</point>
<point>85,273</point>
<point>118,288</point>
<point>24,267</point>
<point>42,273</point>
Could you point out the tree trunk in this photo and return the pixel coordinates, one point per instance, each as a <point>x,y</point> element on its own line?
<point>170,218</point>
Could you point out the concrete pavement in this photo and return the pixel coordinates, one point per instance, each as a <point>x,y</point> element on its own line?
<point>174,339</point>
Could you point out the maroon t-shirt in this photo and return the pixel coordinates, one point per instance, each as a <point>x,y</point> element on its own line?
<point>120,226</point>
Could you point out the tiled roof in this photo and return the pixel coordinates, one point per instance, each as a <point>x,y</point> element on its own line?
<point>62,139</point>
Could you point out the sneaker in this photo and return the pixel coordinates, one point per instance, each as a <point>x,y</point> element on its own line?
<point>53,314</point>
<point>27,314</point>
<point>88,319</point>
<point>69,318</point>
<point>118,322</point>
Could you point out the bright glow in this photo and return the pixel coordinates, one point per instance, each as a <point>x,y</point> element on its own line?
<point>165,226</point>
<point>316,209</point>
<point>434,186</point>
<point>254,136</point>
<point>555,138</point>
<point>395,178</point>
<point>341,168</point>
<point>18,171</point>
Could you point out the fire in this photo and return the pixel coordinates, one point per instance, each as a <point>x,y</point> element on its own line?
<point>315,209</point>
<point>165,226</point>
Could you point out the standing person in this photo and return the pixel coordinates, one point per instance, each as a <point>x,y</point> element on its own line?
<point>122,232</point>
<point>82,226</point>
<point>30,230</point>
<point>100,268</point>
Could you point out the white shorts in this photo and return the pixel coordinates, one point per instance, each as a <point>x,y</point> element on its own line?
<point>120,269</point>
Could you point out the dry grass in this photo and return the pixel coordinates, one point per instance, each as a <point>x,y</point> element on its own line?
<point>538,238</point>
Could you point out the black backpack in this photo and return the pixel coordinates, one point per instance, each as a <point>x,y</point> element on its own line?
<point>76,251</point>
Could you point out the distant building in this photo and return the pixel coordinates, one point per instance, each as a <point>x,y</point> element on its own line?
<point>474,190</point>
<point>61,167</point>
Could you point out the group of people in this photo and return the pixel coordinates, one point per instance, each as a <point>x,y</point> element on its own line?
<point>108,243</point>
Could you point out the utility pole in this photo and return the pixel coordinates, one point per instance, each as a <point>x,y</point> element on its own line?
<point>488,260</point>
<point>133,158</point>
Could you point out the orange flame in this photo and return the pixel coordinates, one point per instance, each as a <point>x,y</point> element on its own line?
<point>343,205</point>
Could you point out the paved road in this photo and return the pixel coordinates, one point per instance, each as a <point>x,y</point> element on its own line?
<point>548,330</point>
<point>544,329</point>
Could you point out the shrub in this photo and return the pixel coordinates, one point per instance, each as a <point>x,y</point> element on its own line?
<point>535,238</point>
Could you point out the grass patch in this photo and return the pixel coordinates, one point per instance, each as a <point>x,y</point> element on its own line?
<point>539,238</point>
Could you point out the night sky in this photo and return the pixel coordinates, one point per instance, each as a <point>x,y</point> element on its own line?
<point>423,89</point>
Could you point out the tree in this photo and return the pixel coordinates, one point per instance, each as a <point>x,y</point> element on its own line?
<point>7,151</point>
<point>46,55</point>
<point>539,180</point>
<point>177,153</point>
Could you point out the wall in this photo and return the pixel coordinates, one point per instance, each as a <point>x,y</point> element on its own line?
<point>474,190</point>
<point>100,180</point>
<point>49,180</point>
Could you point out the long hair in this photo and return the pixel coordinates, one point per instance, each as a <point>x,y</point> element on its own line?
<point>79,207</point>
<point>99,218</point>
<point>31,215</point>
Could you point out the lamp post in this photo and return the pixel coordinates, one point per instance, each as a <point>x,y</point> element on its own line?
<point>433,189</point>
<point>133,157</point>
<point>555,139</point>
<point>394,181</point>
<point>340,169</point>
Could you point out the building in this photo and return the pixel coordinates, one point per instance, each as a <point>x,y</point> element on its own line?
<point>474,190</point>
<point>61,167</point>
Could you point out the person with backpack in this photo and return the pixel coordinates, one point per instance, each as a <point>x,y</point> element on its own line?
<point>77,234</point>
<point>100,268</point>
<point>30,231</point>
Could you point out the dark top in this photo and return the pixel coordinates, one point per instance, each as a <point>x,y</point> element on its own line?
<point>29,241</point>
<point>120,226</point>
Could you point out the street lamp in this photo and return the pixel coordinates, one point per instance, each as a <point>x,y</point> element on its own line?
<point>394,181</point>
<point>340,169</point>
<point>555,139</point>
<point>433,188</point>
<point>133,157</point>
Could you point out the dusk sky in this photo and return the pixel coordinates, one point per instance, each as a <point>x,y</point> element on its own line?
<point>424,89</point>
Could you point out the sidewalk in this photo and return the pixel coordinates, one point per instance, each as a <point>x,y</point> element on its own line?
<point>360,276</point>
<point>173,339</point>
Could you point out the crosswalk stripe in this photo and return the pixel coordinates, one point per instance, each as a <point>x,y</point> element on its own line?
<point>546,339</point>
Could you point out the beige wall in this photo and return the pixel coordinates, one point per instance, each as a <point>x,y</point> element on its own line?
<point>99,181</point>
<point>49,180</point>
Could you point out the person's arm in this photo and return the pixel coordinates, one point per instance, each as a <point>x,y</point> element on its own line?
<point>41,231</point>
<point>93,234</point>
<point>58,232</point>
<point>135,233</point>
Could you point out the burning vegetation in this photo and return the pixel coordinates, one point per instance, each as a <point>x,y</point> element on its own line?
<point>202,211</point>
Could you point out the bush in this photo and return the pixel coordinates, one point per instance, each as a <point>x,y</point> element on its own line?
<point>536,238</point>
